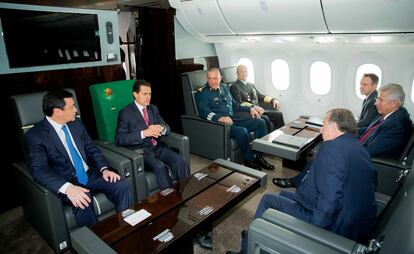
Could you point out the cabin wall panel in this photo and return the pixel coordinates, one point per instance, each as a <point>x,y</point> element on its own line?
<point>396,62</point>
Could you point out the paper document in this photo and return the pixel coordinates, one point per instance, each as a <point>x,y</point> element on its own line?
<point>137,217</point>
<point>289,140</point>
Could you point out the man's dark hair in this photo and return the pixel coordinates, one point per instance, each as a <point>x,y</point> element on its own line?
<point>138,83</point>
<point>373,77</point>
<point>55,99</point>
<point>344,119</point>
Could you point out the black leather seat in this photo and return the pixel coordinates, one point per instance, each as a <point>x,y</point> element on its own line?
<point>277,232</point>
<point>42,208</point>
<point>389,170</point>
<point>208,139</point>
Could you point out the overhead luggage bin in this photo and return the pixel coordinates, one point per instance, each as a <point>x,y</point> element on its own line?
<point>369,16</point>
<point>273,17</point>
<point>202,16</point>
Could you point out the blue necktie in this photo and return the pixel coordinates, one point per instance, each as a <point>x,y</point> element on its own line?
<point>76,158</point>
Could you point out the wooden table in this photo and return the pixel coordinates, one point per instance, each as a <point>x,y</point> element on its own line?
<point>193,204</point>
<point>289,153</point>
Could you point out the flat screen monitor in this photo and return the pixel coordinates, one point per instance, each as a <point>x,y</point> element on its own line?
<point>43,38</point>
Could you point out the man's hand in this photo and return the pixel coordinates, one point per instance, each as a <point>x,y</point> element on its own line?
<point>110,176</point>
<point>276,104</point>
<point>259,109</point>
<point>254,113</point>
<point>77,195</point>
<point>225,120</point>
<point>153,131</point>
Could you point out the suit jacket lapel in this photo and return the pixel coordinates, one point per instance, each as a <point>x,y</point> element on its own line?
<point>54,138</point>
<point>78,141</point>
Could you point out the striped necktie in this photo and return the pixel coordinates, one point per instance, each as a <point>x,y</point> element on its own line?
<point>144,113</point>
<point>76,159</point>
<point>368,132</point>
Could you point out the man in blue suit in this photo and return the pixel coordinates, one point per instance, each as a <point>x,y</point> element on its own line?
<point>368,87</point>
<point>62,158</point>
<point>338,193</point>
<point>139,127</point>
<point>387,135</point>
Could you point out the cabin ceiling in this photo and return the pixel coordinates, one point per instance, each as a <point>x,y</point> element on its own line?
<point>298,21</point>
<point>164,4</point>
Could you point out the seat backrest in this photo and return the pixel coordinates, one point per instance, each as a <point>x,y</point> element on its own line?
<point>395,227</point>
<point>108,99</point>
<point>191,82</point>
<point>229,75</point>
<point>407,155</point>
<point>28,110</point>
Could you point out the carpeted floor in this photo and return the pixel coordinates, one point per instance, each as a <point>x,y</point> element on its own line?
<point>17,236</point>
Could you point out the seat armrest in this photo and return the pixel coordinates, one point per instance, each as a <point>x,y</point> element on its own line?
<point>320,235</point>
<point>271,238</point>
<point>137,162</point>
<point>180,143</point>
<point>42,209</point>
<point>388,162</point>
<point>208,139</point>
<point>245,170</point>
<point>84,241</point>
<point>388,172</point>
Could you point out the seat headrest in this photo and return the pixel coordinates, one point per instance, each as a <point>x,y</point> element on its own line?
<point>229,74</point>
<point>197,78</point>
<point>28,108</point>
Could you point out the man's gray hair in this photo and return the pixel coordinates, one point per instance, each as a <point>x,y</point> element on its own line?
<point>344,119</point>
<point>394,92</point>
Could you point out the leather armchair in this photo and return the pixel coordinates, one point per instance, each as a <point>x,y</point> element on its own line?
<point>108,99</point>
<point>208,139</point>
<point>389,170</point>
<point>277,232</point>
<point>42,208</point>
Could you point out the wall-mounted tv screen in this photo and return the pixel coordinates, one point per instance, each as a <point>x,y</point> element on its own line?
<point>37,38</point>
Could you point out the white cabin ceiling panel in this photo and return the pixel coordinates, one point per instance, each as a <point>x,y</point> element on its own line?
<point>205,17</point>
<point>273,17</point>
<point>369,16</point>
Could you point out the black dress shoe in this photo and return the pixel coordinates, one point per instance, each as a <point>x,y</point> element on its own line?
<point>204,240</point>
<point>284,182</point>
<point>264,164</point>
<point>232,252</point>
<point>252,164</point>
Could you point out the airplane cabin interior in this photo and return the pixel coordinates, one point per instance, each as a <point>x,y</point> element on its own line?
<point>303,58</point>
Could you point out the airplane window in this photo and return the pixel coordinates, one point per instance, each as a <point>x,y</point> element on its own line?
<point>280,74</point>
<point>412,91</point>
<point>320,77</point>
<point>366,68</point>
<point>249,65</point>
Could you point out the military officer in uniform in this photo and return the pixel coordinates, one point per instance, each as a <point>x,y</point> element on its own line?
<point>246,93</point>
<point>216,104</point>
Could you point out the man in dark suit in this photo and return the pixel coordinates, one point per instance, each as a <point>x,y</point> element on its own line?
<point>338,193</point>
<point>215,103</point>
<point>368,87</point>
<point>139,127</point>
<point>246,94</point>
<point>387,135</point>
<point>62,158</point>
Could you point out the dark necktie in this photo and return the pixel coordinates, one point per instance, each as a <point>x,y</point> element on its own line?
<point>144,113</point>
<point>368,132</point>
<point>76,159</point>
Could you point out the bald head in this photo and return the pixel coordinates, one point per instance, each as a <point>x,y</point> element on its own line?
<point>241,72</point>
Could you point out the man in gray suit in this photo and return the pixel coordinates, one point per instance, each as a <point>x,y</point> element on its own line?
<point>368,87</point>
<point>246,94</point>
